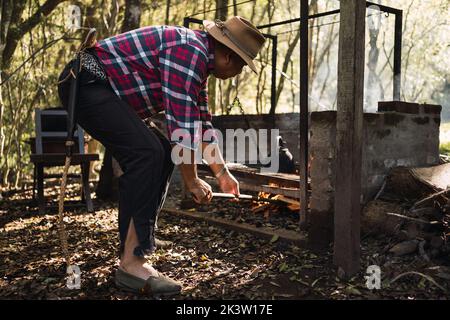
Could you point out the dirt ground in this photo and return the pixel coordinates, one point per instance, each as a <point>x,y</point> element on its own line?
<point>211,262</point>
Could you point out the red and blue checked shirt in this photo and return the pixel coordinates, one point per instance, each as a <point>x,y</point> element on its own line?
<point>166,68</point>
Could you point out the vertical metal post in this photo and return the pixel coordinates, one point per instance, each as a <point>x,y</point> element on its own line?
<point>304,10</point>
<point>397,55</point>
<point>273,87</point>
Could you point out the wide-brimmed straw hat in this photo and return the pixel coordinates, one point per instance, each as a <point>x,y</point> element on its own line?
<point>238,34</point>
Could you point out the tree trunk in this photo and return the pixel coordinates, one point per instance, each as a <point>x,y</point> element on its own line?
<point>373,80</point>
<point>212,94</point>
<point>167,12</point>
<point>132,17</point>
<point>4,24</point>
<point>312,50</point>
<point>12,30</point>
<point>212,81</point>
<point>287,59</point>
<point>222,12</point>
<point>109,18</point>
<point>2,133</point>
<point>15,29</point>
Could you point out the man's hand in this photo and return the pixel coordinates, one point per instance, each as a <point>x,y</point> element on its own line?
<point>228,183</point>
<point>201,190</point>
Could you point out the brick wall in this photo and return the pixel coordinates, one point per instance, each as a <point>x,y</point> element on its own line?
<point>399,134</point>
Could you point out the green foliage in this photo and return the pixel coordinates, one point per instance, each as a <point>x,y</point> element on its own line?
<point>34,71</point>
<point>444,148</point>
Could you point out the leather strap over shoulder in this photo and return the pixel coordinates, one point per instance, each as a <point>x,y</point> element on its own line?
<point>89,41</point>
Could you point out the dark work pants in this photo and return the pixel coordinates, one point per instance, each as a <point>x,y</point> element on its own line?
<point>142,152</point>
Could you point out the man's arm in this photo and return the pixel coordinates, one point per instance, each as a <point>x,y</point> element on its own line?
<point>200,189</point>
<point>225,179</point>
<point>212,154</point>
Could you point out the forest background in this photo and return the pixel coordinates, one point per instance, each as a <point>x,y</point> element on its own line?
<point>36,41</point>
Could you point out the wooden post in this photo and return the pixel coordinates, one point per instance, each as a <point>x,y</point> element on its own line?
<point>350,96</point>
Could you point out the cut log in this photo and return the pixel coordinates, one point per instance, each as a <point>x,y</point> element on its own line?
<point>261,208</point>
<point>418,183</point>
<point>293,205</point>
<point>404,248</point>
<point>287,200</point>
<point>403,184</point>
<point>436,177</point>
<point>375,220</point>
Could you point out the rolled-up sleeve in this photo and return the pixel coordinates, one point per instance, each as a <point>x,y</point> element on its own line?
<point>183,73</point>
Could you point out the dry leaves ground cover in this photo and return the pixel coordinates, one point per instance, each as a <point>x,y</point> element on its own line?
<point>212,263</point>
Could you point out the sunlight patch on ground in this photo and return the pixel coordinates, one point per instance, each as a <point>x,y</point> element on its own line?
<point>27,223</point>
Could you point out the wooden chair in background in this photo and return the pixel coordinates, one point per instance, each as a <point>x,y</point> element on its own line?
<point>48,150</point>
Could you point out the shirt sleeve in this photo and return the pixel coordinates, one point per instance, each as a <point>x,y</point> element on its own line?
<point>183,70</point>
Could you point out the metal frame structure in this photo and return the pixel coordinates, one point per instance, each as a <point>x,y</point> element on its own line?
<point>274,39</point>
<point>304,78</point>
<point>397,35</point>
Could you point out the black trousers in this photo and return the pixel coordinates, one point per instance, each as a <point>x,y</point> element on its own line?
<point>143,153</point>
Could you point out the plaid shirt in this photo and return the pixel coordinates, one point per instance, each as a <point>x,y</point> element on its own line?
<point>163,68</point>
